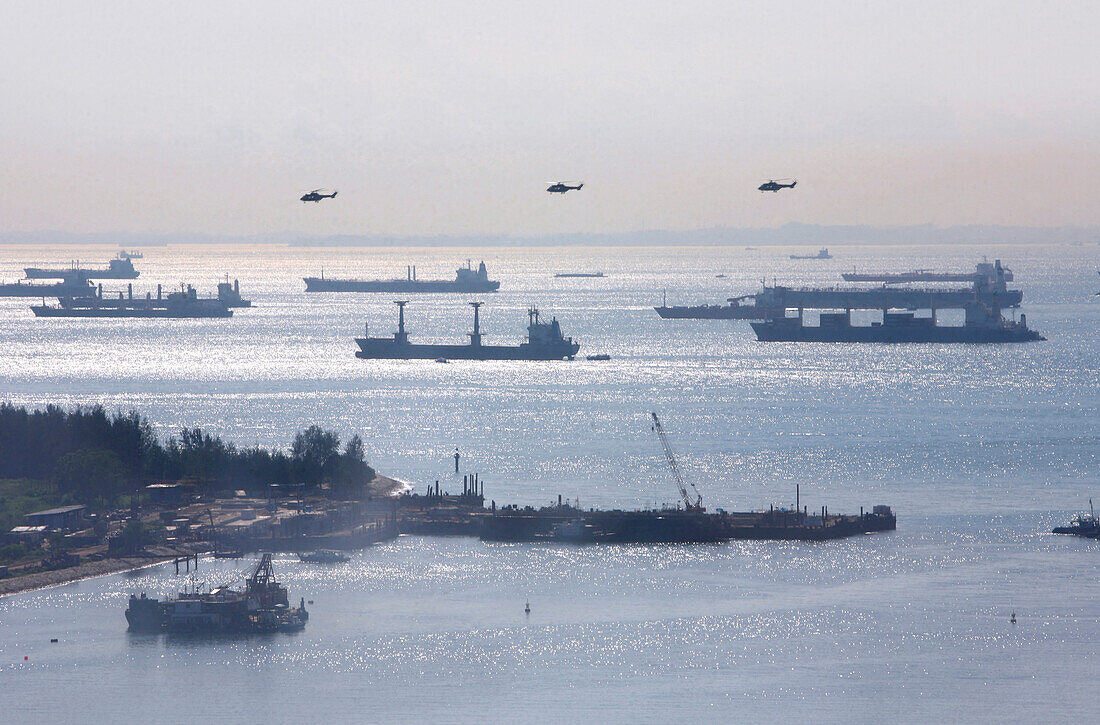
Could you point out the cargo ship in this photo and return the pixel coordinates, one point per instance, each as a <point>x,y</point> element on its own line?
<point>821,254</point>
<point>183,304</point>
<point>261,607</point>
<point>120,268</point>
<point>467,280</point>
<point>984,273</point>
<point>982,325</point>
<point>544,342</point>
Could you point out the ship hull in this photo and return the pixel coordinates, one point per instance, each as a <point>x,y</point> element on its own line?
<point>140,312</point>
<point>317,284</point>
<point>716,312</point>
<point>386,349</point>
<point>770,332</point>
<point>43,290</point>
<point>37,273</point>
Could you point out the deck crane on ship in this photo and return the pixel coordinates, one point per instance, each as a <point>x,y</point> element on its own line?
<point>697,504</point>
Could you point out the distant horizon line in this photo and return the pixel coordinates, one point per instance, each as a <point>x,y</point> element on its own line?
<point>791,233</point>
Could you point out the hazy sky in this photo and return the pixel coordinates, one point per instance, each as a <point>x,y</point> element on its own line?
<point>449,117</point>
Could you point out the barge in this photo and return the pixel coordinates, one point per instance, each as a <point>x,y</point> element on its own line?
<point>261,607</point>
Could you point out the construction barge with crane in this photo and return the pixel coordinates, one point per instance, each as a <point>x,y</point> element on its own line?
<point>689,523</point>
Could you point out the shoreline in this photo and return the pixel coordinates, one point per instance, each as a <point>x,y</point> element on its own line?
<point>68,575</point>
<point>383,486</point>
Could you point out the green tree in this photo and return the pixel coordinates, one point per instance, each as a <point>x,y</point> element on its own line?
<point>91,473</point>
<point>313,450</point>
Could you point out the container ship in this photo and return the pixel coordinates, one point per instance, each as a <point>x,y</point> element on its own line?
<point>982,325</point>
<point>467,280</point>
<point>120,268</point>
<point>544,342</point>
<point>261,607</point>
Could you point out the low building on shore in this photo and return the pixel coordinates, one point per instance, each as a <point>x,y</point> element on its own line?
<point>62,518</point>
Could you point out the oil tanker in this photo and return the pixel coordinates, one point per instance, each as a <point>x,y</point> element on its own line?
<point>733,310</point>
<point>72,286</point>
<point>120,268</point>
<point>984,273</point>
<point>544,342</point>
<point>467,280</point>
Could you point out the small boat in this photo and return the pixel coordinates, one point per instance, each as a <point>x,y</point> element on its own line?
<point>1086,525</point>
<point>442,360</point>
<point>323,556</point>
<point>601,356</point>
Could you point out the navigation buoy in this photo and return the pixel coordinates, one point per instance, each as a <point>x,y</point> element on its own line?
<point>1013,619</point>
<point>527,607</point>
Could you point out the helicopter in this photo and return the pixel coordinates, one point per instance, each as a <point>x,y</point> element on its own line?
<point>316,195</point>
<point>561,187</point>
<point>774,185</point>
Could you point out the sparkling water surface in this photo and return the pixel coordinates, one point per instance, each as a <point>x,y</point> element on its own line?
<point>980,449</point>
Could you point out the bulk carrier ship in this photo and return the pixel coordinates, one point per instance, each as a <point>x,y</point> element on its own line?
<point>544,342</point>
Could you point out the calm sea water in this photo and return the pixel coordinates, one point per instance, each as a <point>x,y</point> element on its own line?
<point>980,449</point>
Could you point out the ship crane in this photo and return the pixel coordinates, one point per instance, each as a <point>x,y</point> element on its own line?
<point>697,504</point>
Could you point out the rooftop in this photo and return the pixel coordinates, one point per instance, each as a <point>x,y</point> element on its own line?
<point>58,510</point>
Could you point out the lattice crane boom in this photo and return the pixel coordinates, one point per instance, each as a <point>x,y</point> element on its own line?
<point>691,505</point>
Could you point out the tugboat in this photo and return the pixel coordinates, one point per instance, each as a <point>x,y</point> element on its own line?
<point>1082,525</point>
<point>119,268</point>
<point>544,342</point>
<point>466,280</point>
<point>261,607</point>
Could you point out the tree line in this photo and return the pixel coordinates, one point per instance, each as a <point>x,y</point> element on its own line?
<point>91,453</point>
